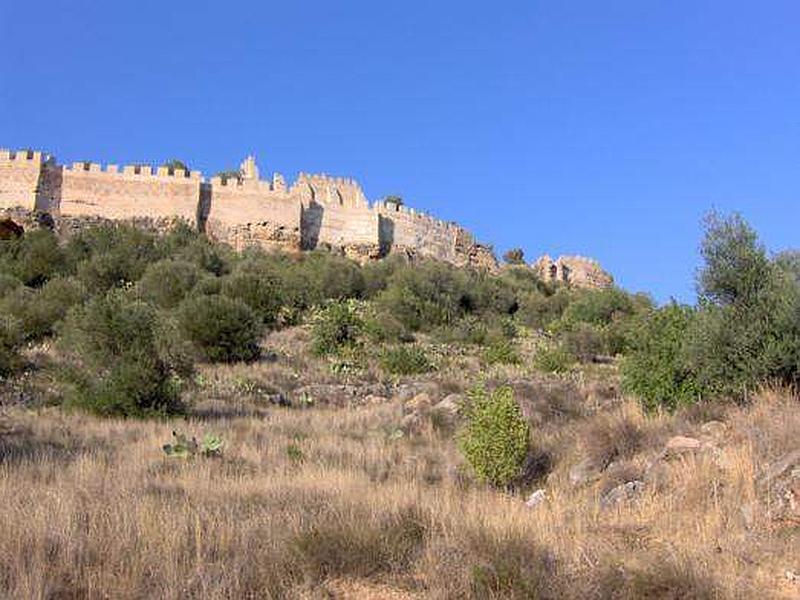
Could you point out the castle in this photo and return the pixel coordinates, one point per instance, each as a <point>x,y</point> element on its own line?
<point>245,210</point>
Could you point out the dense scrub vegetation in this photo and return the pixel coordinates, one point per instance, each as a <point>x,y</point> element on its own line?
<point>134,311</point>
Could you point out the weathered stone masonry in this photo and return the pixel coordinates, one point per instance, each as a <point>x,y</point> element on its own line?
<point>314,211</point>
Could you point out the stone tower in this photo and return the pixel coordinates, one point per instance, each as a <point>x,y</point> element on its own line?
<point>249,168</point>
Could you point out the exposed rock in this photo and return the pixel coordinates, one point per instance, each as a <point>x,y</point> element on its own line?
<point>407,391</point>
<point>419,402</point>
<point>584,472</point>
<point>623,492</point>
<point>375,399</point>
<point>680,445</point>
<point>536,498</point>
<point>714,429</point>
<point>781,481</point>
<point>573,270</point>
<point>451,404</point>
<point>9,230</point>
<point>777,468</point>
<point>337,394</point>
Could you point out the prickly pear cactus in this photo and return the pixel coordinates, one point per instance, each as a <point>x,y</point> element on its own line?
<point>212,445</point>
<point>183,447</point>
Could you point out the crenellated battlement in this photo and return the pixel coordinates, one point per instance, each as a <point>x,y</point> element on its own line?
<point>316,209</point>
<point>134,171</point>
<point>23,156</point>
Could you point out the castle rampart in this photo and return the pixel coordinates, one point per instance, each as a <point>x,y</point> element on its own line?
<point>20,174</point>
<point>315,210</point>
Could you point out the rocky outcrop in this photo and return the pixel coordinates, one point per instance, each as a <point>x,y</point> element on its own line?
<point>577,271</point>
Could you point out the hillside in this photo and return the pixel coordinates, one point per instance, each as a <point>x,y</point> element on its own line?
<point>181,420</point>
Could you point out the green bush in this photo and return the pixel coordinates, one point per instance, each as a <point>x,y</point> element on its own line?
<point>111,255</point>
<point>10,342</point>
<point>167,282</point>
<point>658,370</point>
<point>261,289</point>
<point>502,352</point>
<point>585,340</point>
<point>223,329</point>
<point>120,363</point>
<point>405,360</point>
<point>747,329</point>
<point>468,330</point>
<point>553,360</point>
<point>426,296</point>
<point>495,438</point>
<point>337,327</point>
<point>599,307</point>
<point>36,257</point>
<point>8,283</point>
<point>538,310</point>
<point>39,310</point>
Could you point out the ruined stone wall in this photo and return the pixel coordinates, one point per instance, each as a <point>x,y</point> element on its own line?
<point>89,190</point>
<point>573,270</point>
<point>20,173</point>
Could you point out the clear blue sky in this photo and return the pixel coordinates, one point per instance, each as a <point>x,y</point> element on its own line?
<point>599,128</point>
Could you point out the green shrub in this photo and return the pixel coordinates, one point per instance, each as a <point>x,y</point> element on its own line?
<point>585,340</point>
<point>553,360</point>
<point>405,360</point>
<point>502,352</point>
<point>495,438</point>
<point>111,255</point>
<point>336,327</point>
<point>426,296</point>
<point>468,330</point>
<point>538,310</point>
<point>747,329</point>
<point>223,329</point>
<point>599,307</point>
<point>167,282</point>
<point>658,370</point>
<point>10,342</point>
<point>259,288</point>
<point>8,283</point>
<point>119,359</point>
<point>39,310</point>
<point>37,257</point>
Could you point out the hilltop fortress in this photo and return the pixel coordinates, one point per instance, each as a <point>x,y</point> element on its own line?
<point>245,210</point>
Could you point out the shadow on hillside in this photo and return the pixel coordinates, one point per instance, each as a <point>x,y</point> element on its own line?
<point>214,410</point>
<point>19,446</point>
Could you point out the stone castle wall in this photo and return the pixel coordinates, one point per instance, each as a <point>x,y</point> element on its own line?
<point>20,174</point>
<point>316,210</point>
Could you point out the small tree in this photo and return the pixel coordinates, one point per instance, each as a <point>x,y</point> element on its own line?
<point>122,358</point>
<point>167,282</point>
<point>496,438</point>
<point>658,370</point>
<point>223,329</point>
<point>393,199</point>
<point>515,256</point>
<point>337,327</point>
<point>175,165</point>
<point>229,174</point>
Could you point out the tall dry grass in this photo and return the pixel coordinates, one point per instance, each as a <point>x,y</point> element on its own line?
<point>333,503</point>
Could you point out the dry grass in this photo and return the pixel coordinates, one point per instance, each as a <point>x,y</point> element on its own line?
<point>93,509</point>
